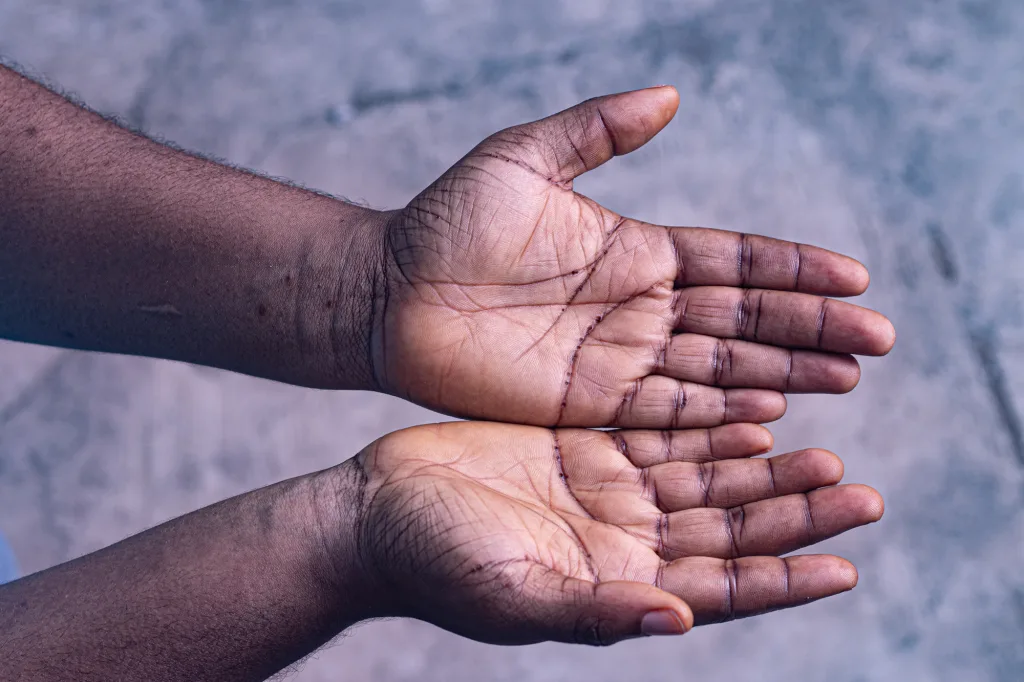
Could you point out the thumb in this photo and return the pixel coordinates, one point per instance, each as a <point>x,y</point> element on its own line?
<point>604,613</point>
<point>568,144</point>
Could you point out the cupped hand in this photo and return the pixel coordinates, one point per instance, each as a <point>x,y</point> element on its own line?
<point>516,534</point>
<point>512,297</point>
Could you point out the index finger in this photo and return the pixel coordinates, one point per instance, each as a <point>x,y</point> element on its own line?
<point>721,258</point>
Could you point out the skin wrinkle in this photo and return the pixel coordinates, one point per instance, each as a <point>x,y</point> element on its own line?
<point>747,311</point>
<point>650,492</point>
<point>810,528</point>
<point>678,404</point>
<point>744,259</point>
<point>621,444</point>
<point>822,313</point>
<point>734,519</point>
<point>590,272</point>
<point>609,132</point>
<point>716,366</point>
<point>789,371</point>
<point>666,444</point>
<point>579,347</point>
<point>705,476</point>
<point>725,407</point>
<point>384,379</point>
<point>797,267</point>
<point>560,471</point>
<point>395,481</point>
<point>572,143</point>
<point>627,401</point>
<point>300,290</point>
<point>771,476</point>
<point>661,532</point>
<point>490,153</point>
<point>731,569</point>
<point>533,234</point>
<point>710,444</point>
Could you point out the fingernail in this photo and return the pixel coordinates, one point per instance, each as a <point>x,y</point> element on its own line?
<point>662,623</point>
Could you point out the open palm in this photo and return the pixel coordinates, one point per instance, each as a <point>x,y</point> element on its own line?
<point>516,534</point>
<point>512,297</point>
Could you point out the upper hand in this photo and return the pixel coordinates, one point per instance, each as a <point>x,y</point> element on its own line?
<point>512,297</point>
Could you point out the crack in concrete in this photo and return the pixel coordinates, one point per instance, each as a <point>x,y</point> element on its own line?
<point>983,345</point>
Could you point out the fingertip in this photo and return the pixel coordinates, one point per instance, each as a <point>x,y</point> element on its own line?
<point>886,335</point>
<point>845,373</point>
<point>870,505</point>
<point>876,506</point>
<point>635,117</point>
<point>815,576</point>
<point>860,278</point>
<point>740,440</point>
<point>862,331</point>
<point>830,465</point>
<point>686,613</point>
<point>779,406</point>
<point>669,95</point>
<point>762,439</point>
<point>845,574</point>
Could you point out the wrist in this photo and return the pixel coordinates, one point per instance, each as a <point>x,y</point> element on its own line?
<point>341,298</point>
<point>345,574</point>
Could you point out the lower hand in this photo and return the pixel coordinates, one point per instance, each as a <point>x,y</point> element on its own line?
<point>512,534</point>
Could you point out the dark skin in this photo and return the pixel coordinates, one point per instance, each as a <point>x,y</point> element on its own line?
<point>505,534</point>
<point>497,293</point>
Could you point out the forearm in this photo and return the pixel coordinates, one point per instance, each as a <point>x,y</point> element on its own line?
<point>112,242</point>
<point>236,591</point>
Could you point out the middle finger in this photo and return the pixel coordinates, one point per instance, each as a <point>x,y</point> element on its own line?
<point>782,318</point>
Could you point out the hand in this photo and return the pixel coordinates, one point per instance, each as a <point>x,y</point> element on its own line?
<point>512,297</point>
<point>514,534</point>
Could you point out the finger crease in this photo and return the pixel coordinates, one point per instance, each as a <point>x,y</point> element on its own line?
<point>797,267</point>
<point>705,475</point>
<point>745,259</point>
<point>757,314</point>
<point>661,532</point>
<point>678,405</point>
<point>680,323</point>
<point>666,445</point>
<point>734,519</point>
<point>731,570</point>
<point>680,279</point>
<point>808,519</point>
<point>771,477</point>
<point>822,314</point>
<point>608,130</point>
<point>643,477</point>
<point>622,445</point>
<point>708,444</point>
<point>789,370</point>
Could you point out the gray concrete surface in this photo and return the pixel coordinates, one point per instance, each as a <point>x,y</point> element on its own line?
<point>890,130</point>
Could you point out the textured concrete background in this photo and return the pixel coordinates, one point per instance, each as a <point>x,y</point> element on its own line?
<point>890,130</point>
